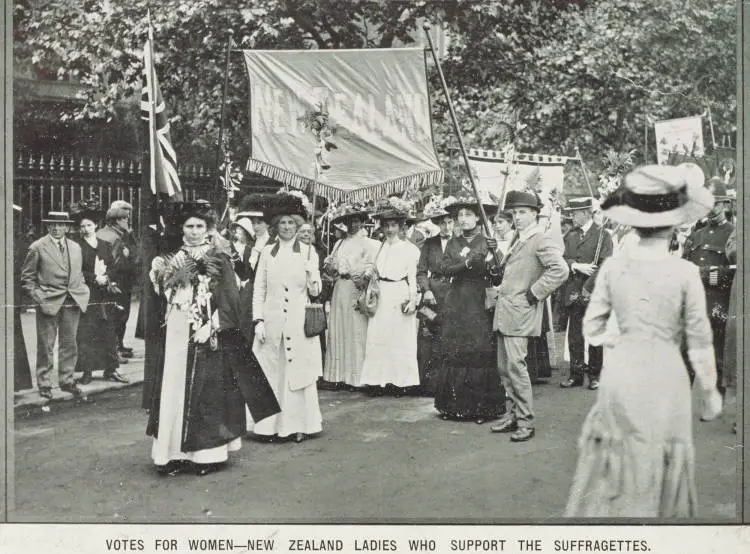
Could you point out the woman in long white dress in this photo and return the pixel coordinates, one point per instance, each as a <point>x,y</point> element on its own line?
<point>347,329</point>
<point>205,373</point>
<point>391,350</point>
<point>636,454</point>
<point>287,273</point>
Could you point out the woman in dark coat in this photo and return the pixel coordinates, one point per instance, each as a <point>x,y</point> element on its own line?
<point>96,338</point>
<point>468,385</point>
<point>206,373</point>
<point>22,369</point>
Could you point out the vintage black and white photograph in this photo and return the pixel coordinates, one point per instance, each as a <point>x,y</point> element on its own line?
<point>376,261</point>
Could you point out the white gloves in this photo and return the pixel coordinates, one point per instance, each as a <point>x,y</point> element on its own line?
<point>704,365</point>
<point>260,332</point>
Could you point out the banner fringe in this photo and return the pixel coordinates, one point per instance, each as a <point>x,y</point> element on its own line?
<point>390,187</point>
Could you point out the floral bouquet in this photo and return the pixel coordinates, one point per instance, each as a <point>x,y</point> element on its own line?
<point>187,282</point>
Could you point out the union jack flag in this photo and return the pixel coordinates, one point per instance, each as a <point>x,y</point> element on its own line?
<point>163,180</point>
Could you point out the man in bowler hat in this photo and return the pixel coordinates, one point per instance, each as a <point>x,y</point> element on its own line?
<point>531,270</point>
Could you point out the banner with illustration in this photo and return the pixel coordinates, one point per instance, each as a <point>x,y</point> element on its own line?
<point>682,136</point>
<point>375,103</point>
<point>542,173</point>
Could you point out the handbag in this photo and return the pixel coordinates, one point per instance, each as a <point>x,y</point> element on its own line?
<point>555,339</point>
<point>315,319</point>
<point>367,300</point>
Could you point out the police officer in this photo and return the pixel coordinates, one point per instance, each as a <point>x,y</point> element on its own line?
<point>706,247</point>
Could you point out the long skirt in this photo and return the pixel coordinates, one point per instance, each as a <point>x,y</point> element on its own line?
<point>391,341</point>
<point>537,359</point>
<point>97,341</point>
<point>636,455</point>
<point>22,369</point>
<point>168,445</point>
<point>300,409</point>
<point>347,337</point>
<point>468,384</point>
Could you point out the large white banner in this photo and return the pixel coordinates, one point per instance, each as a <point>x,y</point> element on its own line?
<point>379,110</point>
<point>681,136</point>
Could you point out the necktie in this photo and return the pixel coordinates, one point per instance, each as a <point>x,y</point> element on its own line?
<point>60,244</point>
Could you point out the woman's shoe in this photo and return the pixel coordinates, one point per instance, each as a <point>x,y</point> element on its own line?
<point>85,379</point>
<point>173,467</point>
<point>299,437</point>
<point>480,420</point>
<point>204,469</point>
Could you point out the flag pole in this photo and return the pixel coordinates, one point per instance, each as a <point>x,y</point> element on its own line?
<point>483,216</point>
<point>223,104</point>
<point>151,107</point>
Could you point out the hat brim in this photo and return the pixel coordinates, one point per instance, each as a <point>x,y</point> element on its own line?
<point>389,215</point>
<point>437,218</point>
<point>65,221</point>
<point>352,215</point>
<point>249,213</point>
<point>699,203</point>
<point>489,209</point>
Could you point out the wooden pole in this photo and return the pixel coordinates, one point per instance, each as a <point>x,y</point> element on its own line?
<point>482,214</point>
<point>223,105</point>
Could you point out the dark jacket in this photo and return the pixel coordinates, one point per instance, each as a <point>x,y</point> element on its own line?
<point>582,251</point>
<point>429,276</point>
<point>706,248</point>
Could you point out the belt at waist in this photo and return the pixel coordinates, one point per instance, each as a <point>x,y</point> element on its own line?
<point>440,277</point>
<point>345,276</point>
<point>387,280</point>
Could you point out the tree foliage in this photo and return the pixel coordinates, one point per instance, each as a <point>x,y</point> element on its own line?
<point>548,75</point>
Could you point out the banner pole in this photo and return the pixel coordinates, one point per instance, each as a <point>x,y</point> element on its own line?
<point>645,141</point>
<point>482,214</point>
<point>585,173</point>
<point>223,105</point>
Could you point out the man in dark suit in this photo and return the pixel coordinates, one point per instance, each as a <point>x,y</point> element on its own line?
<point>52,276</point>
<point>581,246</point>
<point>706,248</point>
<point>434,287</point>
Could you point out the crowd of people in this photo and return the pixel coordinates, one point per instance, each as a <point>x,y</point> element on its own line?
<point>459,315</point>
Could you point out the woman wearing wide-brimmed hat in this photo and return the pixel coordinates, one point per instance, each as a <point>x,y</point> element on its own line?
<point>347,328</point>
<point>391,350</point>
<point>287,274</point>
<point>636,454</point>
<point>205,371</point>
<point>468,385</point>
<point>96,338</point>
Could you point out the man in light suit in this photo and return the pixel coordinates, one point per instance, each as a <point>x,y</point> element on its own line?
<point>581,246</point>
<point>53,278</point>
<point>532,269</point>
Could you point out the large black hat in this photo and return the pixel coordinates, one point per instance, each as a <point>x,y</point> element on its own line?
<point>89,208</point>
<point>177,213</point>
<point>466,199</point>
<point>281,204</point>
<point>251,205</point>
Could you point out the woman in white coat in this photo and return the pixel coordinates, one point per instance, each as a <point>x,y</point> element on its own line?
<point>287,272</point>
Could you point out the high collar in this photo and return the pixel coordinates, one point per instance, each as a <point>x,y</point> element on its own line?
<point>292,244</point>
<point>586,226</point>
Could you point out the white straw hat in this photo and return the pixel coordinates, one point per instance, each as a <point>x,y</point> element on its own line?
<point>246,224</point>
<point>659,196</point>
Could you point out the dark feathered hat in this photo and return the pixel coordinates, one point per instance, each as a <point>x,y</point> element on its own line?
<point>282,204</point>
<point>252,205</point>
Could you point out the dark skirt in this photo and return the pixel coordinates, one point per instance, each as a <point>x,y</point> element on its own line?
<point>468,384</point>
<point>97,341</point>
<point>537,359</point>
<point>21,367</point>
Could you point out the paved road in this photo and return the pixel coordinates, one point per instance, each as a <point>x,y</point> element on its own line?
<point>378,460</point>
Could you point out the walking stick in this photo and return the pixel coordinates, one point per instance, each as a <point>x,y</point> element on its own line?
<point>482,214</point>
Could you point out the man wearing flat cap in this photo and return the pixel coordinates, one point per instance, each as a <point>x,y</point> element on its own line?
<point>706,248</point>
<point>52,276</point>
<point>582,243</point>
<point>532,269</point>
